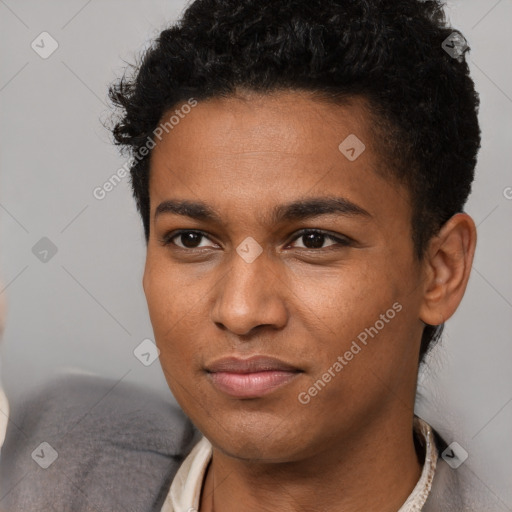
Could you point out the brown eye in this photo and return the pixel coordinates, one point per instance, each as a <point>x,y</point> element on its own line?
<point>315,239</point>
<point>188,239</point>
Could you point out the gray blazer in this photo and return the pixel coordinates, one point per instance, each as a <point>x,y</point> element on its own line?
<point>116,448</point>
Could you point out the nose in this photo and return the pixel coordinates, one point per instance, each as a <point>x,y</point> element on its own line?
<point>251,295</point>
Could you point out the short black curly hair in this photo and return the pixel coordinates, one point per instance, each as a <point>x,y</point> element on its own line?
<point>402,57</point>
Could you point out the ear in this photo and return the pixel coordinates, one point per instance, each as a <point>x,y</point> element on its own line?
<point>448,262</point>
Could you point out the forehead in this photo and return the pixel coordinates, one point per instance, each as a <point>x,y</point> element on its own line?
<point>291,123</point>
<point>255,151</point>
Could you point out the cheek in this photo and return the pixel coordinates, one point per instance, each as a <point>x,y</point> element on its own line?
<point>173,308</point>
<point>358,311</point>
<point>345,299</point>
<point>167,289</point>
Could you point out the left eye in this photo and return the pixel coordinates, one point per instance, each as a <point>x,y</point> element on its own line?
<point>314,239</point>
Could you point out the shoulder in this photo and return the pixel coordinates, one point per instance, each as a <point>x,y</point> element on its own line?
<point>455,487</point>
<point>85,443</point>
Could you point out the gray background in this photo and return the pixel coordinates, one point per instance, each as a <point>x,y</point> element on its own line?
<point>84,309</point>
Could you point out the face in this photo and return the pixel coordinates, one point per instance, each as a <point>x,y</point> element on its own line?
<point>331,288</point>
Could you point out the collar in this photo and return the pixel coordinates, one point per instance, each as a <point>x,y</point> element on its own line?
<point>185,490</point>
<point>4,416</point>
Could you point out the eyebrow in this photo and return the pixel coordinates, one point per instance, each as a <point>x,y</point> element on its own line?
<point>296,210</point>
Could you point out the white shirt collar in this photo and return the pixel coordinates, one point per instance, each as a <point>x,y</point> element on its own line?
<point>185,490</point>
<point>419,494</point>
<point>4,416</point>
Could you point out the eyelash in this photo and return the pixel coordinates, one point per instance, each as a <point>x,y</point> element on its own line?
<point>166,240</point>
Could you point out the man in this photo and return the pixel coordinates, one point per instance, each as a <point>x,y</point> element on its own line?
<point>301,169</point>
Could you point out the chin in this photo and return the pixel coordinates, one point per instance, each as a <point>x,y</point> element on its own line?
<point>263,446</point>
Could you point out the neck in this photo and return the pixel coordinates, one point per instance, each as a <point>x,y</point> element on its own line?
<point>374,469</point>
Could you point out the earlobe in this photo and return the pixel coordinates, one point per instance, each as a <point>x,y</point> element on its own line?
<point>447,268</point>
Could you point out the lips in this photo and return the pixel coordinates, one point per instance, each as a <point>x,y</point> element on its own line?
<point>251,365</point>
<point>250,378</point>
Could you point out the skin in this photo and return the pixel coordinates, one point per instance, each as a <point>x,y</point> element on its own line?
<point>351,447</point>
